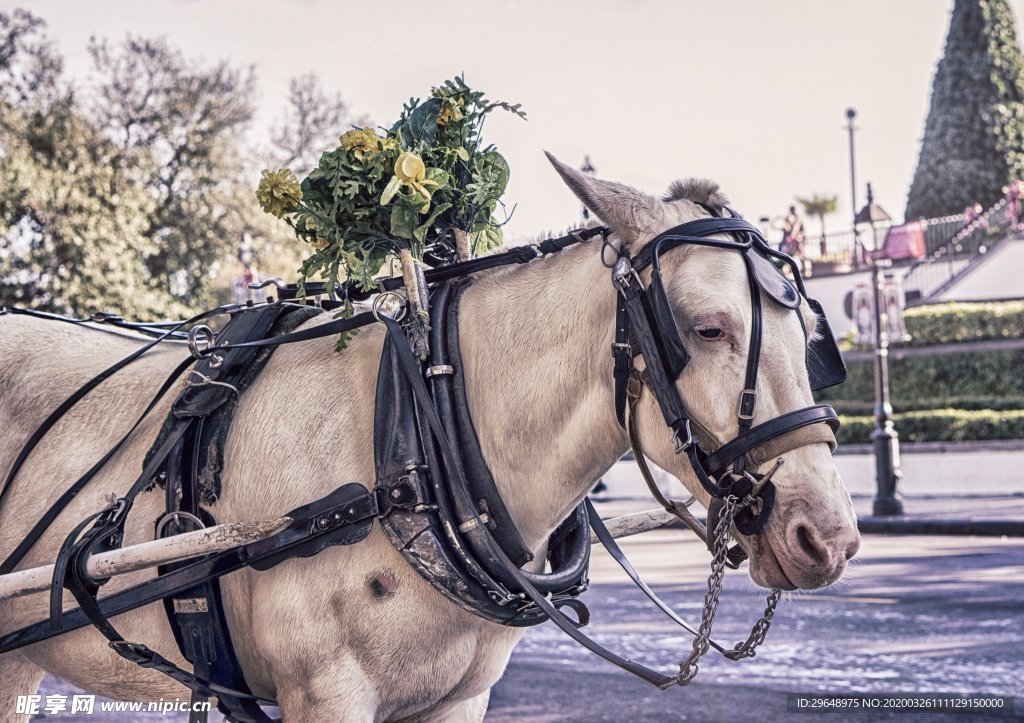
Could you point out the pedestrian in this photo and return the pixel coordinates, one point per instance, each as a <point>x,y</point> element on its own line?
<point>1013,194</point>
<point>793,239</point>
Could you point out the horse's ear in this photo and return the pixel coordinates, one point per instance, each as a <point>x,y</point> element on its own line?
<point>629,212</point>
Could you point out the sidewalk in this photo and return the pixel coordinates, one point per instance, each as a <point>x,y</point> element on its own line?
<point>963,491</point>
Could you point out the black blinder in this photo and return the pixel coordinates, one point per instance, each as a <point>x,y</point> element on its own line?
<point>771,280</point>
<point>673,354</point>
<point>825,366</point>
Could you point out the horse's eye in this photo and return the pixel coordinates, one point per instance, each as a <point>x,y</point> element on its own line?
<point>710,332</point>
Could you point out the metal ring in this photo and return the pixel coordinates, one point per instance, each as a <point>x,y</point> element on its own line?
<point>378,304</point>
<point>194,339</point>
<point>175,516</point>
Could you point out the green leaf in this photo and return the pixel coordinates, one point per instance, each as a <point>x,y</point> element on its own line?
<point>423,228</point>
<point>404,219</point>
<point>486,236</point>
<point>494,168</point>
<point>438,175</point>
<point>422,124</point>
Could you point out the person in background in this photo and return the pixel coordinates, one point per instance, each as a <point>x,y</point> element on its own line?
<point>1013,194</point>
<point>793,240</point>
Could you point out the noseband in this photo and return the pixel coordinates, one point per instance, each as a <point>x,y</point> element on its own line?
<point>646,327</point>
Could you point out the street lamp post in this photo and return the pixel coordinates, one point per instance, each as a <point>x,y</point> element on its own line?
<point>851,114</point>
<point>588,169</point>
<point>885,439</point>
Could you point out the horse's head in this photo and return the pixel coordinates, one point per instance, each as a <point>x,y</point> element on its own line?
<point>811,531</point>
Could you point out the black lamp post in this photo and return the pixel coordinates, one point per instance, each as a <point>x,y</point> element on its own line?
<point>587,168</point>
<point>851,114</point>
<point>885,439</point>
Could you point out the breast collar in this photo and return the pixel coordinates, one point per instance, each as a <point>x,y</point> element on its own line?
<point>646,327</point>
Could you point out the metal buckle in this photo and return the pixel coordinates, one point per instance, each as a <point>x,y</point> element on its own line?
<point>135,652</point>
<point>175,516</point>
<point>439,369</point>
<point>622,273</point>
<point>747,395</point>
<point>684,444</point>
<point>625,347</point>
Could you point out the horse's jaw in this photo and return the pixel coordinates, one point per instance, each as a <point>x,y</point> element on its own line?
<point>809,537</point>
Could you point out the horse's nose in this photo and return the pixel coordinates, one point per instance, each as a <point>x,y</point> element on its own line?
<point>821,552</point>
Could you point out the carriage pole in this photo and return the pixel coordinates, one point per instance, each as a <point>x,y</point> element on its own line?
<point>227,536</point>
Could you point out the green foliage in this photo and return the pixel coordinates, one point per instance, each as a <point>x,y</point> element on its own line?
<point>974,136</point>
<point>939,425</point>
<point>949,323</point>
<point>995,373</point>
<point>415,186</point>
<point>960,322</point>
<point>855,408</point>
<point>975,392</point>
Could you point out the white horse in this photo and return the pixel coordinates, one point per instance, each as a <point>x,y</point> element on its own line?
<point>354,634</point>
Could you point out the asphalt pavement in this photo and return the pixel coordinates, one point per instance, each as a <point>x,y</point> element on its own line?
<point>914,615</point>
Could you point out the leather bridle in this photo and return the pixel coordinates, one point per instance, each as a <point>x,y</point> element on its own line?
<point>646,327</point>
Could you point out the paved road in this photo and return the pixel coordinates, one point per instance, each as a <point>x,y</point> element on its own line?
<point>914,615</point>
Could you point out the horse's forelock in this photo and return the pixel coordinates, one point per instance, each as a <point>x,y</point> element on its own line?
<point>697,190</point>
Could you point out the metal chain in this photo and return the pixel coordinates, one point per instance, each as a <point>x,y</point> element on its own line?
<point>701,643</point>
<point>748,648</point>
<point>720,548</point>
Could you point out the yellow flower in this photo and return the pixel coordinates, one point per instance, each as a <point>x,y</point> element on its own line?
<point>410,172</point>
<point>389,143</point>
<point>360,142</point>
<point>279,192</point>
<point>451,111</point>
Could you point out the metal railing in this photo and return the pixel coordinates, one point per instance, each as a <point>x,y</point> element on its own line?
<point>838,252</point>
<point>949,260</point>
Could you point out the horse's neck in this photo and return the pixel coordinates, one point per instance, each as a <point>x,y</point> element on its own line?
<point>536,347</point>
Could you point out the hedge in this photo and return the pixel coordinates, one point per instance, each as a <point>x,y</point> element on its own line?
<point>950,323</point>
<point>939,425</point>
<point>992,373</point>
<point>856,408</point>
<point>957,322</point>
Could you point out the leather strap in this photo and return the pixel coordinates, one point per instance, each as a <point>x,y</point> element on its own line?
<point>54,416</point>
<point>774,431</point>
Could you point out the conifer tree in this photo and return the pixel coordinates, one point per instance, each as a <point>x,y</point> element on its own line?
<point>974,137</point>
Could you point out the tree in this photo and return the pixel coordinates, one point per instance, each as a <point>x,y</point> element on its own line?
<point>819,206</point>
<point>973,141</point>
<point>312,122</point>
<point>131,192</point>
<point>178,124</point>
<point>68,222</point>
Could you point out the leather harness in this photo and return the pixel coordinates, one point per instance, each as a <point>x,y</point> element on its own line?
<point>434,496</point>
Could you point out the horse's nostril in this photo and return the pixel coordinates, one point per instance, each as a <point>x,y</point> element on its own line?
<point>809,546</point>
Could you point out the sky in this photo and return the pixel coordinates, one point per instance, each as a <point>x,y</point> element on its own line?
<point>749,93</point>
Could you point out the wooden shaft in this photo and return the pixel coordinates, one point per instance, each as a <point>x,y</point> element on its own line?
<point>637,522</point>
<point>224,537</point>
<point>149,554</point>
